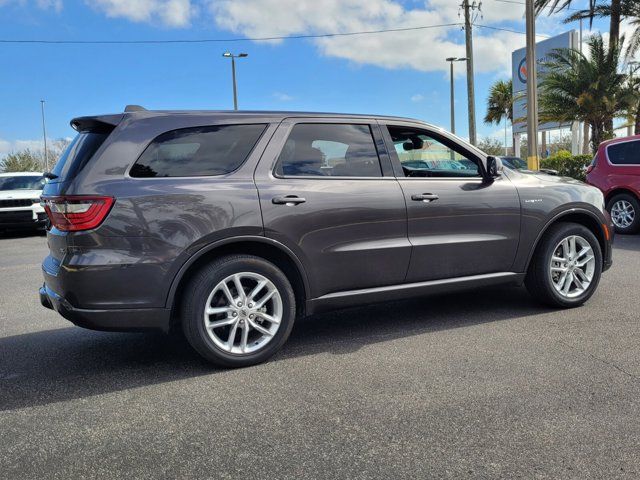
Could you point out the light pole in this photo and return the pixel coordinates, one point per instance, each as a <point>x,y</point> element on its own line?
<point>532,89</point>
<point>506,117</point>
<point>233,74</point>
<point>44,136</point>
<point>453,114</point>
<point>633,67</point>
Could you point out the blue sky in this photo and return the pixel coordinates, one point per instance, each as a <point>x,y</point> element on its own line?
<point>402,73</point>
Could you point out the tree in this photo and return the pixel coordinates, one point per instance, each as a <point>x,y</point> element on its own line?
<point>585,88</point>
<point>500,103</point>
<point>28,160</point>
<point>612,9</point>
<point>491,146</point>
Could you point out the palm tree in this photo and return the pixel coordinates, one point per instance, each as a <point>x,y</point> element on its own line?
<point>500,103</point>
<point>585,88</point>
<point>612,9</point>
<point>627,9</point>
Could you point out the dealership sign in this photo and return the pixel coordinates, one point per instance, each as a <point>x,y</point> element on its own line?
<point>519,77</point>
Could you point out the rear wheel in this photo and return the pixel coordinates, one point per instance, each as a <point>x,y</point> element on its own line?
<point>238,311</point>
<point>566,267</point>
<point>625,213</point>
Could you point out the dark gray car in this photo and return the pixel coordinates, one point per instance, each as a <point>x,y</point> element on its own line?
<point>230,225</point>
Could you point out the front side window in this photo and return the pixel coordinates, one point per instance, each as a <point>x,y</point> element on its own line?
<point>199,151</point>
<point>329,150</point>
<point>423,155</point>
<point>626,153</point>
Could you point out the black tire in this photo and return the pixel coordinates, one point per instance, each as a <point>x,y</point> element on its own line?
<point>539,281</point>
<point>197,292</point>
<point>633,201</point>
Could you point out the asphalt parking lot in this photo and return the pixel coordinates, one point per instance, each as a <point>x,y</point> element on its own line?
<point>484,384</point>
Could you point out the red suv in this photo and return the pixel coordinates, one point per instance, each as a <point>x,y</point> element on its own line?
<point>616,171</point>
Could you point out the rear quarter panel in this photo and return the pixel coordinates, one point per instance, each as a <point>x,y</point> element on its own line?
<point>156,224</point>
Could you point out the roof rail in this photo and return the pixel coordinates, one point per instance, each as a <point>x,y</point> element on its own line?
<point>134,108</point>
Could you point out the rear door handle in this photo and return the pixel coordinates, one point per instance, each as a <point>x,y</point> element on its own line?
<point>424,197</point>
<point>289,200</point>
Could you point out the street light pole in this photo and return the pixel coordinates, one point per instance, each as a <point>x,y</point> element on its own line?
<point>468,36</point>
<point>453,113</point>
<point>532,89</point>
<point>233,74</point>
<point>44,136</point>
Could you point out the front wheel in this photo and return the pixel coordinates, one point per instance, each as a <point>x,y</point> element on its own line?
<point>566,267</point>
<point>238,311</point>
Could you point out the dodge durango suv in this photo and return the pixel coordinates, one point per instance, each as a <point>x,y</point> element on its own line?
<point>230,225</point>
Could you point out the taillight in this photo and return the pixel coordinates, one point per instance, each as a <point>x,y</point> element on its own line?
<point>72,213</point>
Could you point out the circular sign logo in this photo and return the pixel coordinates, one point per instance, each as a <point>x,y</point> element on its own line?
<point>522,70</point>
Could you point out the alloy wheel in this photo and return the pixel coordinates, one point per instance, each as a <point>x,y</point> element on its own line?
<point>572,266</point>
<point>243,313</point>
<point>622,214</point>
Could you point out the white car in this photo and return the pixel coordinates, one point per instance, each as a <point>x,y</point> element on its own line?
<point>20,200</point>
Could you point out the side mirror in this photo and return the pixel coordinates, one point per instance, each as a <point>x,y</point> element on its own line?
<point>494,166</point>
<point>407,145</point>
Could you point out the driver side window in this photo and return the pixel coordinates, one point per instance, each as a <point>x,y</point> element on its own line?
<point>423,155</point>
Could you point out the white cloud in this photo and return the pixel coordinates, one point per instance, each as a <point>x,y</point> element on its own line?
<point>7,146</point>
<point>282,97</point>
<point>422,50</point>
<point>54,4</point>
<point>172,13</point>
<point>418,97</point>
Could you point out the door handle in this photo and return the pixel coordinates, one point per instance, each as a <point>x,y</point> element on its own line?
<point>424,197</point>
<point>289,200</point>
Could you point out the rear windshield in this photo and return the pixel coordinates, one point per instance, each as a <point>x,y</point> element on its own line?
<point>200,151</point>
<point>77,154</point>
<point>22,182</point>
<point>625,153</point>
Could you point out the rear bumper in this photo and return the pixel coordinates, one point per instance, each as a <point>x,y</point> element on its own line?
<point>110,320</point>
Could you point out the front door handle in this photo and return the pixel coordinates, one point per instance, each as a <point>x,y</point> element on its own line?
<point>424,197</point>
<point>289,200</point>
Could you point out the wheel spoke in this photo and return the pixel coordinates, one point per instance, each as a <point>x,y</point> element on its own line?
<point>265,299</point>
<point>217,310</point>
<point>572,246</point>
<point>583,252</point>
<point>557,259</point>
<point>567,284</point>
<point>239,287</point>
<point>244,338</point>
<point>257,289</point>
<point>232,335</point>
<point>221,323</point>
<point>583,276</point>
<point>268,318</point>
<point>586,260</point>
<point>260,328</point>
<point>227,293</point>
<point>565,248</point>
<point>577,281</point>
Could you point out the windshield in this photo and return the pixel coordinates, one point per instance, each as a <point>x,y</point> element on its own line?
<point>22,182</point>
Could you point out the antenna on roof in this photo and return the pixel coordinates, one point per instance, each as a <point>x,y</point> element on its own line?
<point>134,108</point>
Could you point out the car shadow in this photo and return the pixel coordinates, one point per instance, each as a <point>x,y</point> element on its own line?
<point>57,365</point>
<point>626,242</point>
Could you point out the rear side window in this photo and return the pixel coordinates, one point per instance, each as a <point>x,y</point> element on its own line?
<point>77,154</point>
<point>200,151</point>
<point>329,150</point>
<point>626,153</point>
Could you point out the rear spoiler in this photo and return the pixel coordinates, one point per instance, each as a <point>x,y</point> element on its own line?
<point>97,124</point>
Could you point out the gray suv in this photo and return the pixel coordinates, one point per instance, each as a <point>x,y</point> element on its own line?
<point>230,225</point>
